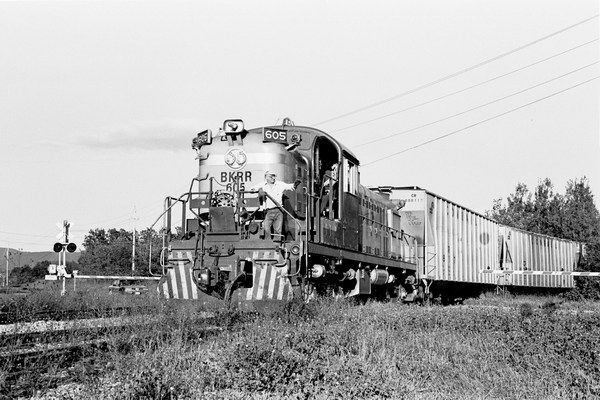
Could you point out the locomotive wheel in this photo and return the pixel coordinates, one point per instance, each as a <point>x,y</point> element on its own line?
<point>308,289</point>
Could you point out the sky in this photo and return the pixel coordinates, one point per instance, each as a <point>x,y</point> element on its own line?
<point>99,101</point>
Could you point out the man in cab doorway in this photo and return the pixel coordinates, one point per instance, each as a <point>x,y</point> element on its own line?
<point>273,215</point>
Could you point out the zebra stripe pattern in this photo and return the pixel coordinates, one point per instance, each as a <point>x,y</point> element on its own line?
<point>178,282</point>
<point>269,282</point>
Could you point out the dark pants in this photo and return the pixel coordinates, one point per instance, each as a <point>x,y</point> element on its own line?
<point>273,217</point>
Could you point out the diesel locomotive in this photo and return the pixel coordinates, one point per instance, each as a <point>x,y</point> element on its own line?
<point>338,237</point>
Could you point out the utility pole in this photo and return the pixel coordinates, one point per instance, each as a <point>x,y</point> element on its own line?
<point>133,254</point>
<point>7,256</point>
<point>135,218</point>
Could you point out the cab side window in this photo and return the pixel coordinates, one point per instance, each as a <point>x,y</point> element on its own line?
<point>350,177</point>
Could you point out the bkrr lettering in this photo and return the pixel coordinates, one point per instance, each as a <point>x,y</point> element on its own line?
<point>236,180</point>
<point>239,176</point>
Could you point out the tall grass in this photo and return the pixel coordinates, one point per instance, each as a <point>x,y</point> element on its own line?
<point>89,300</point>
<point>498,348</point>
<point>334,350</point>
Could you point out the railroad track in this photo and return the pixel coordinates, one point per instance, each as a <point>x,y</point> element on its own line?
<point>25,332</point>
<point>32,338</point>
<point>11,317</point>
<point>39,347</point>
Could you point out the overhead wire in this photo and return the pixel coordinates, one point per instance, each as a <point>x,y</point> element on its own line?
<point>127,217</point>
<point>120,218</point>
<point>465,89</point>
<point>11,242</point>
<point>457,73</point>
<point>26,234</point>
<point>473,108</point>
<point>479,122</point>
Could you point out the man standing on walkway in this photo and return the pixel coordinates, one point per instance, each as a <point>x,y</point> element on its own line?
<point>273,215</point>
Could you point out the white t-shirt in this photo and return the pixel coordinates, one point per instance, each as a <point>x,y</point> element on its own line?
<point>275,191</point>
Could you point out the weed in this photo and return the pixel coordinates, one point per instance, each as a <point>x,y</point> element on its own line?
<point>526,310</point>
<point>329,349</point>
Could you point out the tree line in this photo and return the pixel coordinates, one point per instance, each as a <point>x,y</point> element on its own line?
<point>105,252</point>
<point>109,252</point>
<point>572,215</point>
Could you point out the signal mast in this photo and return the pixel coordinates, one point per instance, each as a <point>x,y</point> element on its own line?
<point>62,248</point>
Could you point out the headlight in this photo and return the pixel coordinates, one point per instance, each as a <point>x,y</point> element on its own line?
<point>233,126</point>
<point>205,277</point>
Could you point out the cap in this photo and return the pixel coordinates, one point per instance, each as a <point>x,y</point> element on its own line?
<point>267,173</point>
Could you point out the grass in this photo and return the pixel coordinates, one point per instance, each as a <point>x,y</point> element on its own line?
<point>90,299</point>
<point>494,348</point>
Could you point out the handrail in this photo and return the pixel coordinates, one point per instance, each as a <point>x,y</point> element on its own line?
<point>295,220</point>
<point>152,227</point>
<point>283,209</point>
<point>187,196</point>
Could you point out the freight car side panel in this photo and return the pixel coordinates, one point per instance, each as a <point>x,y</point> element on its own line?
<point>528,251</point>
<point>458,243</point>
<point>455,243</point>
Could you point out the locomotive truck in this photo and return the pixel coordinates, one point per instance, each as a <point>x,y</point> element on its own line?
<point>338,238</point>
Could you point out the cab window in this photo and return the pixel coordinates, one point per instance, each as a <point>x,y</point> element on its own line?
<point>350,177</point>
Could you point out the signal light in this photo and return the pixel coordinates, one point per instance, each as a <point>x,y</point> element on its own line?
<point>205,277</point>
<point>70,247</point>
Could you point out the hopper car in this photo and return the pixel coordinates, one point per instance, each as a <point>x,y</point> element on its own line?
<point>338,236</point>
<point>462,251</point>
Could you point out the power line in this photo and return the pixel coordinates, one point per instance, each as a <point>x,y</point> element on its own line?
<point>123,217</point>
<point>127,217</point>
<point>462,71</point>
<point>474,108</point>
<point>26,234</point>
<point>465,89</point>
<point>478,123</point>
<point>20,242</point>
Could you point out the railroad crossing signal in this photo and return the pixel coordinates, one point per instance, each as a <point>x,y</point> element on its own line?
<point>63,235</point>
<point>61,248</point>
<point>70,247</point>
